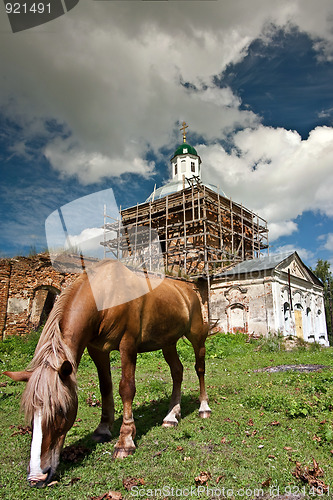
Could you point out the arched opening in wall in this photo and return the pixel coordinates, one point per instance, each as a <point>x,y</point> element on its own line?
<point>320,325</point>
<point>237,319</point>
<point>43,301</point>
<point>309,330</point>
<point>286,317</point>
<point>298,309</point>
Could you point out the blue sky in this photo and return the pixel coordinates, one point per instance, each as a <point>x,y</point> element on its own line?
<point>94,100</point>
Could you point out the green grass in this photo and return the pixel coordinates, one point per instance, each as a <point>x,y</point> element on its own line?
<point>256,415</point>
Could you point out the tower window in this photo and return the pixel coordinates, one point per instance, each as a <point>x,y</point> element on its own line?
<point>175,168</point>
<point>185,150</point>
<point>192,166</point>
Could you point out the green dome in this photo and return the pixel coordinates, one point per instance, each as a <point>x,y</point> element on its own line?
<point>180,150</point>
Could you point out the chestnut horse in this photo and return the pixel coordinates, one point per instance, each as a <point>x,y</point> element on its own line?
<point>155,320</point>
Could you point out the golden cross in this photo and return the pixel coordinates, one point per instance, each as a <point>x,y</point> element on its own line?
<point>183,129</point>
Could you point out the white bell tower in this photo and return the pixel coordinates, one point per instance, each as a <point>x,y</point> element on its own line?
<point>185,162</point>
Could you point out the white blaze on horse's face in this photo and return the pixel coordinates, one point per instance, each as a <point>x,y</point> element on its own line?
<point>35,472</point>
<point>46,446</point>
<point>39,471</point>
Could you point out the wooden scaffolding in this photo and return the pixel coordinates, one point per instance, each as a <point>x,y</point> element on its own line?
<point>200,232</point>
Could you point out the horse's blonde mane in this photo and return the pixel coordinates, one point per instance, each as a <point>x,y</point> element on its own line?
<point>45,390</point>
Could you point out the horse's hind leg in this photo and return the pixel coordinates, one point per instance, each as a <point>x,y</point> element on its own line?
<point>102,362</point>
<point>176,368</point>
<point>198,343</point>
<point>125,445</point>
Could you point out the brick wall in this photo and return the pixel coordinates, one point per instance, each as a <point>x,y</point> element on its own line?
<point>22,282</point>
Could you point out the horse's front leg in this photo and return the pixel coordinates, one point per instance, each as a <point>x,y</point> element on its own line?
<point>102,362</point>
<point>125,445</point>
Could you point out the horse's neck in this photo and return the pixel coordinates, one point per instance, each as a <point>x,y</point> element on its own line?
<point>77,331</point>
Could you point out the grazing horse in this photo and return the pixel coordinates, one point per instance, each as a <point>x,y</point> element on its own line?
<point>155,320</point>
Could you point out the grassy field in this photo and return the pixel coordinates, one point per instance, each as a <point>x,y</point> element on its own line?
<point>262,424</point>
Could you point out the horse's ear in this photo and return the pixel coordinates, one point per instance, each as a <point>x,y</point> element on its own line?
<point>65,369</point>
<point>23,376</point>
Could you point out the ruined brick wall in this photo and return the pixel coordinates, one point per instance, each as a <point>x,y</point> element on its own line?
<point>26,284</point>
<point>5,272</point>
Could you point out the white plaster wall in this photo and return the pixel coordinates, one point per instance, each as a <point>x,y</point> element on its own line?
<point>263,301</point>
<point>187,167</point>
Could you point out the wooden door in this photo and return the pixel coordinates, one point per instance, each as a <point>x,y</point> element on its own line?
<point>299,323</point>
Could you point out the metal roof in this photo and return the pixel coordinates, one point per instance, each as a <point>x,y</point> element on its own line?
<point>185,149</point>
<point>176,186</point>
<point>261,264</point>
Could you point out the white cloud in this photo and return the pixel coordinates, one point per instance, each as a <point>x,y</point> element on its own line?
<point>90,167</point>
<point>328,245</point>
<point>306,255</point>
<point>278,229</point>
<point>275,173</point>
<point>110,73</point>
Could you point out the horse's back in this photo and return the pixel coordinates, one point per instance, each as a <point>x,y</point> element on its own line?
<point>152,320</point>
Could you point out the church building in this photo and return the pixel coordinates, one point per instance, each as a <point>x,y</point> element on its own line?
<point>222,248</point>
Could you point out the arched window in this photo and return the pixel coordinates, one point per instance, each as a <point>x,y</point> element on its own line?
<point>286,317</point>
<point>42,304</point>
<point>237,318</point>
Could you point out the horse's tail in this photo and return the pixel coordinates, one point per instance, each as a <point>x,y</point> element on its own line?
<point>212,328</point>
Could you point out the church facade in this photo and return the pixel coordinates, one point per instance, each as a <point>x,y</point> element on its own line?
<point>272,294</point>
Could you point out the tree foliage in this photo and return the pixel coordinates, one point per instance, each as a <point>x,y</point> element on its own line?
<point>324,273</point>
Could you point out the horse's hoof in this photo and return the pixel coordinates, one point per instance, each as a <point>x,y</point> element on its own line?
<point>169,423</point>
<point>122,452</point>
<point>101,438</point>
<point>205,414</point>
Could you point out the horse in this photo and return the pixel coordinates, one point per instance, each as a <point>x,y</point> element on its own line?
<point>152,321</point>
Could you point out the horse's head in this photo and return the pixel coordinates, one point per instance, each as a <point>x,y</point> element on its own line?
<point>50,404</point>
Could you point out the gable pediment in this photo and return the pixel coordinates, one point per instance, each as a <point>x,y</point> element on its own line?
<point>295,266</point>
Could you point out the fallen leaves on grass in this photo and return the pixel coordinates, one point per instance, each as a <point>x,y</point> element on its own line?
<point>251,434</point>
<point>159,453</point>
<point>266,483</point>
<point>111,495</point>
<point>311,476</point>
<point>74,453</point>
<point>73,481</point>
<point>21,430</point>
<point>203,478</point>
<point>92,400</point>
<point>218,479</point>
<point>129,482</point>
<point>274,423</point>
